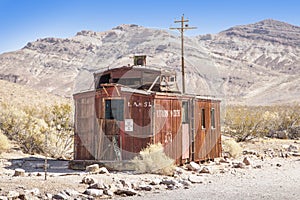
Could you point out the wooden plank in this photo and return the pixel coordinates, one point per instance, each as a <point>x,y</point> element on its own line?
<point>99,139</point>
<point>84,126</point>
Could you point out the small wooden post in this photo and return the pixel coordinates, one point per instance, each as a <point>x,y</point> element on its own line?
<point>46,151</point>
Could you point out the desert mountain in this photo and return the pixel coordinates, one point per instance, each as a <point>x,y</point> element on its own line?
<point>251,64</point>
<point>260,62</point>
<point>24,97</point>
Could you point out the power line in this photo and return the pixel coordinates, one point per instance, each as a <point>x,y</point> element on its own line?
<point>181,30</point>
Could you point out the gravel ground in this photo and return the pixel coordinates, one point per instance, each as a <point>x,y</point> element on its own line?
<point>268,178</point>
<point>269,182</point>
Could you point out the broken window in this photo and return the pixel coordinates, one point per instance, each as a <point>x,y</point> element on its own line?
<point>103,79</point>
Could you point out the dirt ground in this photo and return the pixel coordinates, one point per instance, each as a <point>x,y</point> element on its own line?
<point>269,182</point>
<point>268,177</point>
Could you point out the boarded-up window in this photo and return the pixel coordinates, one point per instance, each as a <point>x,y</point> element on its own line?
<point>114,109</point>
<point>212,116</point>
<point>203,118</point>
<point>185,112</point>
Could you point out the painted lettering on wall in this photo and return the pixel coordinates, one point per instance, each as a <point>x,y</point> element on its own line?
<point>146,104</point>
<point>167,113</point>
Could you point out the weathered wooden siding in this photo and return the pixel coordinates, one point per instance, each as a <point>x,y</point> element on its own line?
<point>157,118</point>
<point>207,139</point>
<point>168,130</point>
<point>136,107</point>
<point>84,126</point>
<point>215,145</point>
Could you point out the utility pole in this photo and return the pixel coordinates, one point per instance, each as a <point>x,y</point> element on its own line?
<point>181,30</point>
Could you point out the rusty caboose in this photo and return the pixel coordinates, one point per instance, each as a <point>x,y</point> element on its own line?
<point>133,106</point>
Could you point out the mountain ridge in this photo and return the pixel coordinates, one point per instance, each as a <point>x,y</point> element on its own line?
<point>243,64</point>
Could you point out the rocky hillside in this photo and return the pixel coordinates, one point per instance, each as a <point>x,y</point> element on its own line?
<point>24,97</point>
<point>260,62</point>
<point>252,64</point>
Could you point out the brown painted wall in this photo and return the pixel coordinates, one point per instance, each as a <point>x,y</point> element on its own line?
<point>156,118</point>
<point>168,129</point>
<point>208,139</point>
<point>136,107</point>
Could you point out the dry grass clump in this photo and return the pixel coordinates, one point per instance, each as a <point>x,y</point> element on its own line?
<point>4,143</point>
<point>153,160</point>
<point>231,147</point>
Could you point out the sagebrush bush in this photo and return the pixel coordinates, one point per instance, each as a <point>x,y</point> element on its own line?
<point>248,122</point>
<point>29,127</point>
<point>231,147</point>
<point>153,160</point>
<point>61,131</point>
<point>4,143</point>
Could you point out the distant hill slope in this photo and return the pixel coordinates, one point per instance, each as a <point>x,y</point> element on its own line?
<point>260,62</point>
<point>251,64</point>
<point>22,96</point>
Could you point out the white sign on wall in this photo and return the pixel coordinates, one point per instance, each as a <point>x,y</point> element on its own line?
<point>128,124</point>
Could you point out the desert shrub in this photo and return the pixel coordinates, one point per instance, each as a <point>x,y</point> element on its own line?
<point>248,122</point>
<point>60,124</point>
<point>153,160</point>
<point>294,132</point>
<point>4,143</point>
<point>24,128</point>
<point>29,127</point>
<point>243,123</point>
<point>231,147</point>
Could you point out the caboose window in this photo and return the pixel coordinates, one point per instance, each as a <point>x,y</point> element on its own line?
<point>185,112</point>
<point>114,109</point>
<point>203,118</point>
<point>212,115</point>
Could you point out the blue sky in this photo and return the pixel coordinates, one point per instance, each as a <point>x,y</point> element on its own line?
<point>23,21</point>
